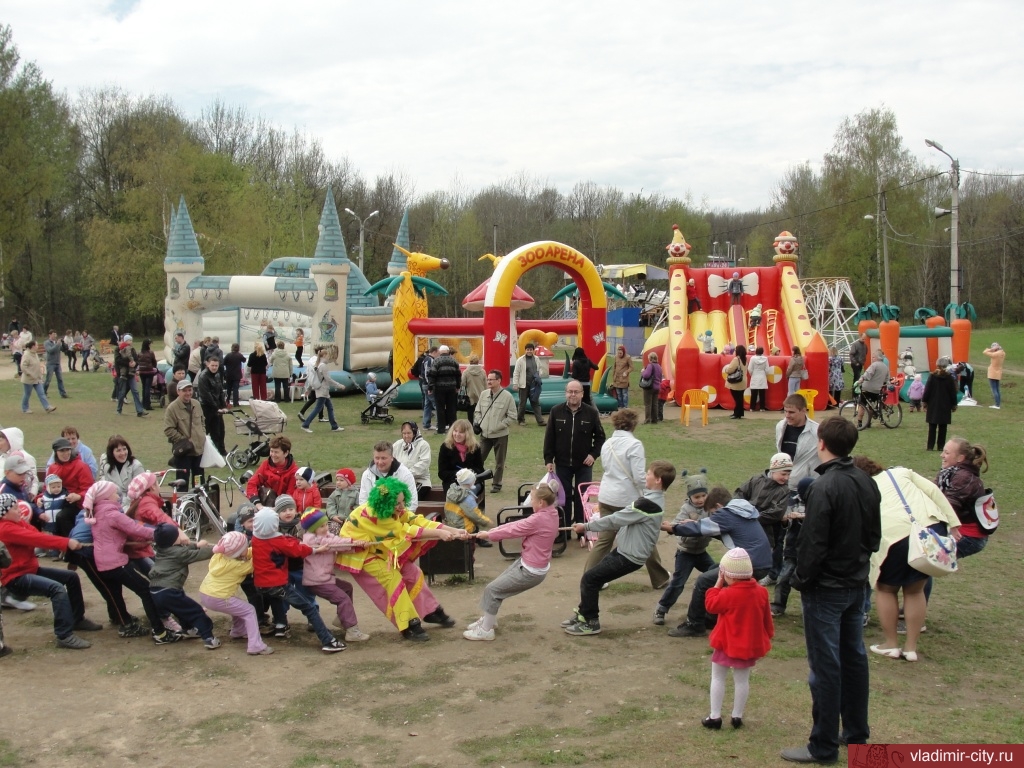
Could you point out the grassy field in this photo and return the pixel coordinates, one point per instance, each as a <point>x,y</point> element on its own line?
<point>535,696</point>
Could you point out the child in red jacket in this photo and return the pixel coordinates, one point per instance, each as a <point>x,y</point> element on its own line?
<point>742,635</point>
<point>270,553</point>
<point>663,393</point>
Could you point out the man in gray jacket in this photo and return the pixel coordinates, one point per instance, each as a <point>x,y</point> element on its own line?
<point>52,346</point>
<point>495,412</point>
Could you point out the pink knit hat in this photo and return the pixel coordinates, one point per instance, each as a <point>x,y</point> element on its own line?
<point>140,484</point>
<point>101,490</point>
<point>231,544</point>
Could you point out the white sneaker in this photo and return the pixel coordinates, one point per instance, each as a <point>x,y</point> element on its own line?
<point>478,624</point>
<point>355,635</point>
<point>994,406</point>
<point>478,633</point>
<point>307,429</point>
<point>21,605</point>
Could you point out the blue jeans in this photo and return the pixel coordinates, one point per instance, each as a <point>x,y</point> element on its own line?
<point>685,563</point>
<point>321,403</point>
<point>300,597</point>
<point>38,388</point>
<point>65,593</point>
<point>123,387</point>
<point>428,407</point>
<point>622,396</point>
<point>833,633</point>
<point>996,395</point>
<point>189,612</point>
<point>52,370</point>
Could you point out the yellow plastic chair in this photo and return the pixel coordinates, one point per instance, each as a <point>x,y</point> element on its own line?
<point>809,395</point>
<point>696,398</point>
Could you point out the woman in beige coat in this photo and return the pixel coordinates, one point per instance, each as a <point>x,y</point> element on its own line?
<point>32,378</point>
<point>621,371</point>
<point>996,355</point>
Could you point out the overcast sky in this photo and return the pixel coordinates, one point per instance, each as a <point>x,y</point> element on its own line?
<point>714,100</point>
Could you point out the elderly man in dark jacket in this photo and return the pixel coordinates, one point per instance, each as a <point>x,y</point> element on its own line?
<point>842,528</point>
<point>572,443</point>
<point>443,381</point>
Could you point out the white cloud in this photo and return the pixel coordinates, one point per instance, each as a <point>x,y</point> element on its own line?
<point>674,97</point>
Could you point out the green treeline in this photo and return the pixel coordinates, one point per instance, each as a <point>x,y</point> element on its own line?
<point>87,184</point>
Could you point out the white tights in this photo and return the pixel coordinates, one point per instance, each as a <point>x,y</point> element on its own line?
<point>741,681</point>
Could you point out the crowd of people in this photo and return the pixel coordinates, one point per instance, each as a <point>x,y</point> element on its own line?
<point>814,517</point>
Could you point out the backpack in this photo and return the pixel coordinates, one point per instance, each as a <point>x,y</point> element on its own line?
<point>987,512</point>
<point>313,378</point>
<point>416,371</point>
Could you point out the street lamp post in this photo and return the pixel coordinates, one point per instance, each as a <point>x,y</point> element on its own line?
<point>954,240</point>
<point>882,225</point>
<point>362,226</point>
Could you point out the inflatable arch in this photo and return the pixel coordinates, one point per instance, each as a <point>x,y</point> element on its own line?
<point>500,336</point>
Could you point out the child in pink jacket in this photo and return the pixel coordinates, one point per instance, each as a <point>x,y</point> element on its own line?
<point>538,532</point>
<point>318,571</point>
<point>112,529</point>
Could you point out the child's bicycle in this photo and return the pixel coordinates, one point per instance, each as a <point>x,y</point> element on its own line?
<point>886,408</point>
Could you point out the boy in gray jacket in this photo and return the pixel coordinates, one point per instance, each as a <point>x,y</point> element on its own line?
<point>638,526</point>
<point>167,580</point>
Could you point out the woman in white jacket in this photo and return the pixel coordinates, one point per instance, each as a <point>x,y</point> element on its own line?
<point>758,370</point>
<point>413,451</point>
<point>119,465</point>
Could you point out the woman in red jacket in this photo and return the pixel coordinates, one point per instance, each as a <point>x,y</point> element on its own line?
<point>742,635</point>
<point>275,476</point>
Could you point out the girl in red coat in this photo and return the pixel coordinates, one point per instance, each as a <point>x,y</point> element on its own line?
<point>742,635</point>
<point>307,492</point>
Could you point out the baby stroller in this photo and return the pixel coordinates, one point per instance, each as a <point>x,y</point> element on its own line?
<point>158,389</point>
<point>96,360</point>
<point>378,409</point>
<point>267,419</point>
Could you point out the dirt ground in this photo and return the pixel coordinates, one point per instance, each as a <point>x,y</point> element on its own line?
<point>534,695</point>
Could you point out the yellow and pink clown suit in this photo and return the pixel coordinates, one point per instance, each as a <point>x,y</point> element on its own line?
<point>386,570</point>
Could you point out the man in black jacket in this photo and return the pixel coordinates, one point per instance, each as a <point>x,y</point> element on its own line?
<point>841,530</point>
<point>444,380</point>
<point>572,443</point>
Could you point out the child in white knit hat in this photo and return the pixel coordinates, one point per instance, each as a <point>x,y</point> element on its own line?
<point>742,635</point>
<point>460,508</point>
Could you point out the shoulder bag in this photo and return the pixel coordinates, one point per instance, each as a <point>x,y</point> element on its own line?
<point>927,551</point>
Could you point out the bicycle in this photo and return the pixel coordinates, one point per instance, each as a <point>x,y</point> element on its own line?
<point>890,414</point>
<point>189,508</point>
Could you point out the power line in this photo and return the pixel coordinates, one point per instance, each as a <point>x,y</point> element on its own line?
<point>1000,175</point>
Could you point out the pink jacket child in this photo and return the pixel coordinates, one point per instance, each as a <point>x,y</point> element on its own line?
<point>147,508</point>
<point>538,532</point>
<point>318,574</point>
<point>112,528</point>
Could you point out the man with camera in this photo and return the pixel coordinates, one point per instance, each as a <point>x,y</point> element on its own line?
<point>495,412</point>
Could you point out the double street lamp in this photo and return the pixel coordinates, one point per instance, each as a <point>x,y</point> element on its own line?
<point>362,227</point>
<point>954,246</point>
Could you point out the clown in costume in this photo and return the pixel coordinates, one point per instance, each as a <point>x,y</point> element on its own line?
<point>386,569</point>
